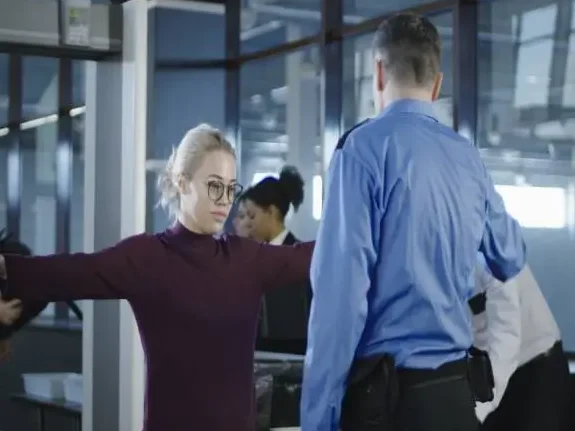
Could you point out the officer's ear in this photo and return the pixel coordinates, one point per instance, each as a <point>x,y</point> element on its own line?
<point>437,86</point>
<point>379,75</point>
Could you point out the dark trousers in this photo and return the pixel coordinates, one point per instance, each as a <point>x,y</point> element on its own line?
<point>436,401</point>
<point>537,396</point>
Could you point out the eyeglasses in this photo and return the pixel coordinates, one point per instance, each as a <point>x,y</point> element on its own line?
<point>217,189</point>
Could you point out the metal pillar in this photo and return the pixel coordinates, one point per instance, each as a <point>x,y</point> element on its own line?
<point>303,130</point>
<point>116,135</point>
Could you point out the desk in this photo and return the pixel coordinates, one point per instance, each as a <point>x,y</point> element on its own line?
<point>277,357</point>
<point>42,406</point>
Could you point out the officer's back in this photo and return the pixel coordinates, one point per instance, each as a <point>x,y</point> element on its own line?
<point>408,205</point>
<point>433,189</point>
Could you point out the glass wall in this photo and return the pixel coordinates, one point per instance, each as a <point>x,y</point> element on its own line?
<point>267,25</point>
<point>35,136</point>
<point>526,133</point>
<point>356,11</point>
<point>4,99</point>
<point>39,142</point>
<point>280,124</point>
<point>3,188</point>
<point>77,196</point>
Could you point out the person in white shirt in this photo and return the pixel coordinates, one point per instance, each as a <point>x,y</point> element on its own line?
<point>514,324</point>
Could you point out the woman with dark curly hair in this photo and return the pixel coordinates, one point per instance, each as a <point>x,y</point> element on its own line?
<point>285,311</point>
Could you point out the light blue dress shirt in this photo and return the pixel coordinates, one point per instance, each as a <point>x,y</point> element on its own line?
<point>408,204</point>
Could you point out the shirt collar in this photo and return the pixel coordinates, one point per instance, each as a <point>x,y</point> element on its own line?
<point>410,106</point>
<point>279,240</point>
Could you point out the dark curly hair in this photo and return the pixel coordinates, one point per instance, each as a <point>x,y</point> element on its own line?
<point>280,192</point>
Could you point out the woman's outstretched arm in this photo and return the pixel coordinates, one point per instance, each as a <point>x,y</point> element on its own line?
<point>279,265</point>
<point>113,273</point>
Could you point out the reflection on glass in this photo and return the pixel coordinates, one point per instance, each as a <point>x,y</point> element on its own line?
<point>3,89</point>
<point>77,198</point>
<point>569,88</point>
<point>527,131</point>
<point>38,217</point>
<point>39,142</point>
<point>280,124</point>
<point>4,98</point>
<point>40,87</point>
<point>3,189</point>
<point>362,10</point>
<point>266,24</point>
<point>533,73</point>
<point>538,23</point>
<point>358,85</point>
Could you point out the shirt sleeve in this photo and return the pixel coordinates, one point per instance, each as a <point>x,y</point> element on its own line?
<point>342,262</point>
<point>502,243</point>
<point>113,273</point>
<point>503,315</point>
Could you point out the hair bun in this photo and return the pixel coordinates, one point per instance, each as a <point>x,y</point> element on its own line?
<point>292,185</point>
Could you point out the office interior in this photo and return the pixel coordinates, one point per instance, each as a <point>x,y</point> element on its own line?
<point>86,125</point>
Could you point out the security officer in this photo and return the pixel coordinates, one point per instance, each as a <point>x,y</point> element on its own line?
<point>514,324</point>
<point>408,204</point>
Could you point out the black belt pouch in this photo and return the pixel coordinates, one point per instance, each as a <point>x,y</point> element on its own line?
<point>480,375</point>
<point>371,396</point>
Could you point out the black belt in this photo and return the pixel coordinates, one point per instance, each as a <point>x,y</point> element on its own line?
<point>410,377</point>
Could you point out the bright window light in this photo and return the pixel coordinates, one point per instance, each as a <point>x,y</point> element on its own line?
<point>317,197</point>
<point>258,176</point>
<point>536,207</point>
<point>538,23</point>
<point>533,72</point>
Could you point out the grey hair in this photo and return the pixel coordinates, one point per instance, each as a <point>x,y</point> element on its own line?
<point>186,159</point>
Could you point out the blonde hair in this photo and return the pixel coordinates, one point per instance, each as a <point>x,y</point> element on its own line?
<point>186,159</point>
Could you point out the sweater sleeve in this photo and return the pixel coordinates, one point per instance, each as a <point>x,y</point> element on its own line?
<point>113,273</point>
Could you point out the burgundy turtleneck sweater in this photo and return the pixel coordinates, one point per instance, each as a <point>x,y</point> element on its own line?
<point>196,299</point>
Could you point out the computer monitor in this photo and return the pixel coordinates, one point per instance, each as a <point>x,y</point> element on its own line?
<point>283,320</point>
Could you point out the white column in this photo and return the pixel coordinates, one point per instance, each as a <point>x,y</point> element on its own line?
<point>303,130</point>
<point>115,154</point>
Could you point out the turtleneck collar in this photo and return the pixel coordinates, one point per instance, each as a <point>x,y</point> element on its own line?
<point>179,231</point>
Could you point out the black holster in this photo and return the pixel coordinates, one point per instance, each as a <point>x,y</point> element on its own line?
<point>480,375</point>
<point>371,396</point>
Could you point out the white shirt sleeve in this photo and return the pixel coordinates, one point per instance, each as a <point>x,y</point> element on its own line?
<point>503,324</point>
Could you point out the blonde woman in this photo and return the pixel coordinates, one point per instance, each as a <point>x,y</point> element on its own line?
<point>195,294</point>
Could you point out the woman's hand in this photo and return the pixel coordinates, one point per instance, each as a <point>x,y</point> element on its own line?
<point>9,311</point>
